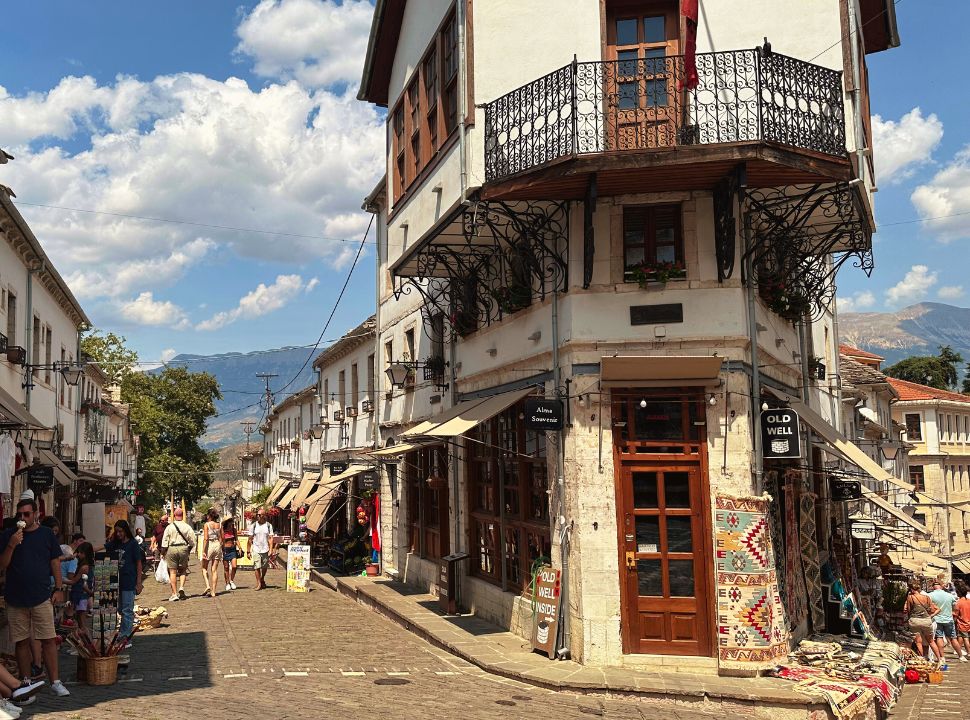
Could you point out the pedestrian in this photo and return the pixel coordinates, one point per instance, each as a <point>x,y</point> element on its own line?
<point>159,530</point>
<point>178,542</point>
<point>31,555</point>
<point>9,686</point>
<point>230,551</point>
<point>945,629</point>
<point>919,609</point>
<point>81,583</point>
<point>261,546</point>
<point>211,551</point>
<point>961,614</point>
<point>130,564</point>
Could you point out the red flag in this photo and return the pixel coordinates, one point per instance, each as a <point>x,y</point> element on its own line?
<point>688,8</point>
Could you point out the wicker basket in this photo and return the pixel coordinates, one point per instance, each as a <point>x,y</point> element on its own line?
<point>102,670</point>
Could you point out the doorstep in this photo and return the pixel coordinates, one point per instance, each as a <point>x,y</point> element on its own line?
<point>503,653</point>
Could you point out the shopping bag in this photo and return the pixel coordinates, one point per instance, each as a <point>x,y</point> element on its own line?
<point>161,572</point>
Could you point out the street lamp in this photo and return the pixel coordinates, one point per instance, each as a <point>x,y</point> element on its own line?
<point>398,373</point>
<point>72,374</point>
<point>316,431</point>
<point>116,447</point>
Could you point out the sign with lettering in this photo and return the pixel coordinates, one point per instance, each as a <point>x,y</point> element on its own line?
<point>337,468</point>
<point>546,602</point>
<point>40,477</point>
<point>842,490</point>
<point>368,480</point>
<point>298,568</point>
<point>863,529</point>
<point>543,413</point>
<point>780,437</point>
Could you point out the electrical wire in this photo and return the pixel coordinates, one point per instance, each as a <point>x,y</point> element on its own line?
<point>853,31</point>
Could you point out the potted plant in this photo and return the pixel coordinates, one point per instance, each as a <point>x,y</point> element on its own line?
<point>464,322</point>
<point>511,298</point>
<point>784,300</point>
<point>650,273</point>
<point>295,443</point>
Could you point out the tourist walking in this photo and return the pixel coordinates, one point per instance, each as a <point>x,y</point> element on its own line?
<point>81,584</point>
<point>261,546</point>
<point>945,629</point>
<point>230,551</point>
<point>919,609</point>
<point>961,616</point>
<point>31,555</point>
<point>131,560</point>
<point>177,544</point>
<point>211,551</point>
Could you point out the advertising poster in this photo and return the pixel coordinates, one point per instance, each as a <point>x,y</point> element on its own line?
<point>298,568</point>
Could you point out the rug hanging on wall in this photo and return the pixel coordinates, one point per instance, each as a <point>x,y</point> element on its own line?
<point>777,528</point>
<point>751,632</point>
<point>795,602</point>
<point>812,573</point>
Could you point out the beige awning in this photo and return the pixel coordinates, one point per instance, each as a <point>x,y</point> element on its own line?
<point>871,497</point>
<point>400,449</point>
<point>847,450</point>
<point>62,473</point>
<point>278,489</point>
<point>350,472</point>
<point>306,487</point>
<point>13,413</point>
<point>963,565</point>
<point>284,502</point>
<point>660,371</point>
<point>320,491</point>
<point>476,412</point>
<point>317,513</point>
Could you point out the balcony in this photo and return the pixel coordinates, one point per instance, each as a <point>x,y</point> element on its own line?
<point>632,123</point>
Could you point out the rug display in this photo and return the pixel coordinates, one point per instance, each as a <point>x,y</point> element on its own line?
<point>751,632</point>
<point>777,529</point>
<point>796,604</point>
<point>810,567</point>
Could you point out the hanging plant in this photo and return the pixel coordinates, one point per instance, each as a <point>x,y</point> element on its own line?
<point>511,298</point>
<point>656,272</point>
<point>784,300</point>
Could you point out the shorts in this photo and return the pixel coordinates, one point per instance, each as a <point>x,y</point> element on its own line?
<point>213,549</point>
<point>230,554</point>
<point>177,558</point>
<point>35,622</point>
<point>963,634</point>
<point>260,560</point>
<point>945,630</point>
<point>82,605</point>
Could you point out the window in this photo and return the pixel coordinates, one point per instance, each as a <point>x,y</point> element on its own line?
<point>426,490</point>
<point>35,346</point>
<point>370,379</point>
<point>48,341</point>
<point>913,429</point>
<point>11,318</point>
<point>342,389</point>
<point>325,407</point>
<point>430,78</point>
<point>414,125</point>
<point>652,238</point>
<point>916,477</point>
<point>354,386</point>
<point>508,500</point>
<point>400,179</point>
<point>449,71</point>
<point>409,353</point>
<point>70,391</point>
<point>61,383</point>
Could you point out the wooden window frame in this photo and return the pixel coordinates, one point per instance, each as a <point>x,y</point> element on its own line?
<point>917,478</point>
<point>427,507</point>
<point>918,437</point>
<point>649,244</point>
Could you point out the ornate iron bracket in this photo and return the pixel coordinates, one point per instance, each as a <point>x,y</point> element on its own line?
<point>726,204</point>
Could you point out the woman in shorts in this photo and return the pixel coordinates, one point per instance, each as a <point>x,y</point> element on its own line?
<point>211,551</point>
<point>80,587</point>
<point>230,551</point>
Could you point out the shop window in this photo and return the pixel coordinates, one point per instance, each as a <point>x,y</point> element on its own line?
<point>914,430</point>
<point>425,474</point>
<point>509,500</point>
<point>653,245</point>
<point>916,477</point>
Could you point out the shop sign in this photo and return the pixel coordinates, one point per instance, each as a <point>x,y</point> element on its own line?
<point>543,414</point>
<point>337,468</point>
<point>70,465</point>
<point>40,477</point>
<point>863,529</point>
<point>368,480</point>
<point>842,490</point>
<point>298,568</point>
<point>779,434</point>
<point>547,598</point>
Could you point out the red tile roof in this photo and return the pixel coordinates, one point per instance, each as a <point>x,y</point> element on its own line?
<point>855,352</point>
<point>914,391</point>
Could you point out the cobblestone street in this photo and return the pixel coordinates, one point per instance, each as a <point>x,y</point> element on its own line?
<point>947,701</point>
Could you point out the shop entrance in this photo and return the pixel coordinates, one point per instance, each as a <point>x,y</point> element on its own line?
<point>664,525</point>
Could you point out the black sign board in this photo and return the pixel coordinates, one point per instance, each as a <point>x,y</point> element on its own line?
<point>368,480</point>
<point>338,468</point>
<point>71,465</point>
<point>780,437</point>
<point>543,413</point>
<point>841,490</point>
<point>656,314</point>
<point>40,477</point>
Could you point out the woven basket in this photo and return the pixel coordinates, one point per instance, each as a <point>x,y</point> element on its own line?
<point>102,670</point>
<point>934,677</point>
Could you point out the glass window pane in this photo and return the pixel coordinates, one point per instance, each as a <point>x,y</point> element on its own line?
<point>656,92</point>
<point>649,577</point>
<point>681,577</point>
<point>653,29</point>
<point>677,489</point>
<point>648,534</point>
<point>628,62</point>
<point>512,554</point>
<point>678,533</point>
<point>634,256</point>
<point>627,98</point>
<point>645,490</point>
<point>666,253</point>
<point>659,420</point>
<point>626,32</point>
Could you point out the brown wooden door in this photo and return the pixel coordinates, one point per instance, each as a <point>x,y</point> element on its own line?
<point>664,560</point>
<point>640,75</point>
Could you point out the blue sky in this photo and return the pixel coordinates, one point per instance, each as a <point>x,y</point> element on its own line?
<point>243,115</point>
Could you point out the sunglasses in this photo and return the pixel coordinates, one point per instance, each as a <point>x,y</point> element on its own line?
<point>27,513</point>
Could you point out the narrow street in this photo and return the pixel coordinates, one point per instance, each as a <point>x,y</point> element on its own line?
<point>273,654</point>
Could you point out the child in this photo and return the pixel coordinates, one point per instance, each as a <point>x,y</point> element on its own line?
<point>80,588</point>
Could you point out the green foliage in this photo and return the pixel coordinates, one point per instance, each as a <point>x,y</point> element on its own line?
<point>111,355</point>
<point>966,381</point>
<point>938,371</point>
<point>260,496</point>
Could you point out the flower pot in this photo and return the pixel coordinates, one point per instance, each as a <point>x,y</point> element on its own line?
<point>373,569</point>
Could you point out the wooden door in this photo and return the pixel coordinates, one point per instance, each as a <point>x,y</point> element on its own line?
<point>640,75</point>
<point>664,560</point>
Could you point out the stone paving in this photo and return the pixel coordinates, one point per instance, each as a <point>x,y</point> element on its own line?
<point>949,700</point>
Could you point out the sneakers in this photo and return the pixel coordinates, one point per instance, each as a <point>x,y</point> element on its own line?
<point>182,595</point>
<point>59,689</point>
<point>232,585</point>
<point>174,598</point>
<point>963,658</point>
<point>9,711</point>
<point>26,701</point>
<point>27,689</point>
<point>228,587</point>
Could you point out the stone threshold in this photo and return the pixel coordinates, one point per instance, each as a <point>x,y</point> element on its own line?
<point>502,653</point>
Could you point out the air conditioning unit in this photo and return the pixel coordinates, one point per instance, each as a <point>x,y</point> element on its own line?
<point>351,411</point>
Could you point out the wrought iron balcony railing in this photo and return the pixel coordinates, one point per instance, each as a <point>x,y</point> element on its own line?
<point>642,104</point>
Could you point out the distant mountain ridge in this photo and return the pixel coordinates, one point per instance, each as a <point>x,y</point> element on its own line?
<point>915,330</point>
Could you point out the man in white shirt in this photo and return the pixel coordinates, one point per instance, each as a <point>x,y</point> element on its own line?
<point>261,546</point>
<point>138,523</point>
<point>178,542</point>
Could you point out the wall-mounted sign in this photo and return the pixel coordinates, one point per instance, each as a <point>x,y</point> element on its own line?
<point>368,480</point>
<point>863,529</point>
<point>40,477</point>
<point>338,468</point>
<point>841,490</point>
<point>547,599</point>
<point>543,413</point>
<point>779,434</point>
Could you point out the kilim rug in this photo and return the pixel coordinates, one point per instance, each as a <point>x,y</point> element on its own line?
<point>810,568</point>
<point>795,602</point>
<point>777,533</point>
<point>751,631</point>
<point>848,701</point>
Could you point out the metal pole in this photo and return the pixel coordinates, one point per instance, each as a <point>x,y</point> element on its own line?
<point>755,371</point>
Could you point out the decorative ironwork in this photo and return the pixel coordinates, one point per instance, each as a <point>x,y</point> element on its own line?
<point>596,107</point>
<point>725,223</point>
<point>434,371</point>
<point>589,234</point>
<point>800,237</point>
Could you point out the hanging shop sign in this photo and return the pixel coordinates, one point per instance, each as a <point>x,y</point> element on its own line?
<point>841,490</point>
<point>780,437</point>
<point>543,413</point>
<point>368,480</point>
<point>298,568</point>
<point>863,529</point>
<point>40,477</point>
<point>547,597</point>
<point>337,468</point>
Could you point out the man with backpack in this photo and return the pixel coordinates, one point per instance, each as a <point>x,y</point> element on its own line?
<point>178,543</point>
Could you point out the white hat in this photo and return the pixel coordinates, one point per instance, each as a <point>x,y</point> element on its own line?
<point>27,494</point>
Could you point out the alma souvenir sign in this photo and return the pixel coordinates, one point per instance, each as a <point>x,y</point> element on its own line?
<point>337,468</point>
<point>842,490</point>
<point>543,413</point>
<point>863,529</point>
<point>368,480</point>
<point>547,598</point>
<point>780,437</point>
<point>298,568</point>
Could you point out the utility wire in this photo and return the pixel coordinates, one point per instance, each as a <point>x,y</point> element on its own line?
<point>852,32</point>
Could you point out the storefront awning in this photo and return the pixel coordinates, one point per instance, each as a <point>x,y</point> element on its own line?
<point>350,472</point>
<point>284,502</point>
<point>871,497</point>
<point>278,489</point>
<point>62,473</point>
<point>400,449</point>
<point>963,565</point>
<point>317,514</point>
<point>659,371</point>
<point>306,487</point>
<point>847,450</point>
<point>475,412</point>
<point>13,414</point>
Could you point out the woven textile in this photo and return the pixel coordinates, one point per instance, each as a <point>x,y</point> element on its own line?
<point>809,548</point>
<point>795,602</point>
<point>751,631</point>
<point>777,531</point>
<point>847,700</point>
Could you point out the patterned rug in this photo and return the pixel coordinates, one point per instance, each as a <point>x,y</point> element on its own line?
<point>795,602</point>
<point>809,548</point>
<point>751,631</point>
<point>777,531</point>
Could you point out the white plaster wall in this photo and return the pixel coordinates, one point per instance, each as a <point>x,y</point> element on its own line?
<point>357,431</point>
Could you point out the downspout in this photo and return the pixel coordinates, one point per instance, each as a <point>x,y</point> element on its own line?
<point>860,133</point>
<point>755,370</point>
<point>460,19</point>
<point>29,334</point>
<point>803,356</point>
<point>562,651</point>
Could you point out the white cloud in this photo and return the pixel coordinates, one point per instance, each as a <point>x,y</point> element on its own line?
<point>859,301</point>
<point>261,301</point>
<point>913,287</point>
<point>317,42</point>
<point>168,354</point>
<point>146,310</point>
<point>311,284</point>
<point>945,199</point>
<point>950,292</point>
<point>902,146</point>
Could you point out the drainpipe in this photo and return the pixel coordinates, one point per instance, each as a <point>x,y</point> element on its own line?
<point>29,333</point>
<point>803,356</point>
<point>562,652</point>
<point>860,133</point>
<point>462,98</point>
<point>755,370</point>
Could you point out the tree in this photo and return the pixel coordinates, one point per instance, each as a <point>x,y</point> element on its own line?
<point>966,380</point>
<point>939,371</point>
<point>110,353</point>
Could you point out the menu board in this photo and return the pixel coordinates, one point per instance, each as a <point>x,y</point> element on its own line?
<point>298,568</point>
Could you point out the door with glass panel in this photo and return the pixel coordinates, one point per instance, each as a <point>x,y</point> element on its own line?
<point>666,598</point>
<point>640,83</point>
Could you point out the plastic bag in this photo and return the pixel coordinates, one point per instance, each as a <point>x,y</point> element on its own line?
<point>161,572</point>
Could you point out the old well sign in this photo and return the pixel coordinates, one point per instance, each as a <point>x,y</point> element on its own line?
<point>779,434</point>
<point>547,597</point>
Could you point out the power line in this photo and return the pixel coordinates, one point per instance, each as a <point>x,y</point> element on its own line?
<point>853,31</point>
